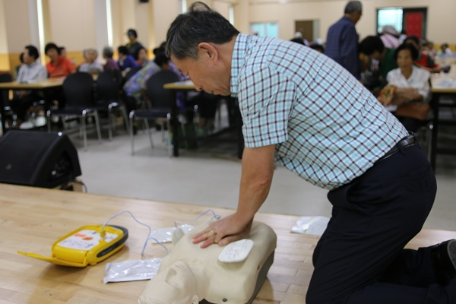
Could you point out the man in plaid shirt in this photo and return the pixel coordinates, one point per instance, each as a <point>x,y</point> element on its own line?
<point>314,117</point>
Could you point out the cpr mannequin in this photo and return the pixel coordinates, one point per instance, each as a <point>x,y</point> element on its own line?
<point>190,274</point>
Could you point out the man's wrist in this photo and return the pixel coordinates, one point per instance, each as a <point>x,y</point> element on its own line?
<point>243,219</point>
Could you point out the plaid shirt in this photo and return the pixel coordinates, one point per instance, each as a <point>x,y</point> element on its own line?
<point>326,126</point>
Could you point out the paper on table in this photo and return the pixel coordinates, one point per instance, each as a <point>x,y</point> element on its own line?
<point>445,83</point>
<point>314,225</point>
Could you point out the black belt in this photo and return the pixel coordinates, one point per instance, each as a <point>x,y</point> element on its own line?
<point>405,142</point>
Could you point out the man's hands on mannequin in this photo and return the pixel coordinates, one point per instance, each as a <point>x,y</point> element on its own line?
<point>257,172</point>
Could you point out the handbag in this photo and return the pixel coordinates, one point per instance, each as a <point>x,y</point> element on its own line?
<point>413,110</point>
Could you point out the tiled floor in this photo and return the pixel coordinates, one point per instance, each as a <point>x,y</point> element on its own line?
<point>212,178</point>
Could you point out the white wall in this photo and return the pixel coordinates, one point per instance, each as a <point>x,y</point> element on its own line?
<point>3,35</point>
<point>163,20</point>
<point>72,23</point>
<point>16,16</point>
<point>440,27</point>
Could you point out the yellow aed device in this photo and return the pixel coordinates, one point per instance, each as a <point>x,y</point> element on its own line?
<point>87,245</point>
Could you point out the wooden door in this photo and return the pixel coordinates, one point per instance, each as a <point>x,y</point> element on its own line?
<point>305,27</point>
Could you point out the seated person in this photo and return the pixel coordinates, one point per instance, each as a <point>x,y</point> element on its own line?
<point>142,57</point>
<point>444,51</point>
<point>190,274</point>
<point>91,65</point>
<point>125,61</point>
<point>374,49</point>
<point>110,64</point>
<point>30,70</point>
<point>136,85</point>
<point>411,88</point>
<point>390,36</point>
<point>424,60</point>
<point>16,69</point>
<point>58,66</point>
<point>62,51</point>
<point>318,47</point>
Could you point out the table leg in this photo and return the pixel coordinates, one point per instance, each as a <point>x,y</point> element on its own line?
<point>3,98</point>
<point>435,127</point>
<point>175,125</point>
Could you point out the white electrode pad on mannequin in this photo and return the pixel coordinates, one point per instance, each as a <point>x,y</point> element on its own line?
<point>236,251</point>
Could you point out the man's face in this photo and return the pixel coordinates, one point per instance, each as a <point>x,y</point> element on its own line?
<point>377,55</point>
<point>27,58</point>
<point>91,56</point>
<point>207,72</point>
<point>356,16</point>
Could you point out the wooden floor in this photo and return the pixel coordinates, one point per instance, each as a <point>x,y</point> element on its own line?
<point>32,219</point>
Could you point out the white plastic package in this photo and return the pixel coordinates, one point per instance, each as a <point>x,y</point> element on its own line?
<point>314,225</point>
<point>131,270</point>
<point>165,235</point>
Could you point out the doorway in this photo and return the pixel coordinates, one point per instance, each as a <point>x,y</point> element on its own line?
<point>306,28</point>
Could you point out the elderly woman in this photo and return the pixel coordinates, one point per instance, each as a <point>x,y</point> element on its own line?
<point>412,90</point>
<point>91,65</point>
<point>110,64</point>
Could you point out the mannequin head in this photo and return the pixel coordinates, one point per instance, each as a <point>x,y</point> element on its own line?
<point>175,285</point>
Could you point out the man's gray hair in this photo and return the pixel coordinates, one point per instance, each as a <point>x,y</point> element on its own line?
<point>108,51</point>
<point>199,24</point>
<point>85,51</point>
<point>353,6</point>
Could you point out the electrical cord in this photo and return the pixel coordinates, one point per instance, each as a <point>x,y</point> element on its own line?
<point>103,232</point>
<point>149,237</point>
<point>214,216</point>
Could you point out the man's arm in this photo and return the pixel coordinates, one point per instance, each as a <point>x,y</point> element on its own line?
<point>257,172</point>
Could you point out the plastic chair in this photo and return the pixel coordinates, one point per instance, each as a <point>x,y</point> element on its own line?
<point>160,99</point>
<point>108,98</point>
<point>78,90</point>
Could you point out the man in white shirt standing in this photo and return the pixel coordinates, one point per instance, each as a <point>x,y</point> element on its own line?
<point>31,70</point>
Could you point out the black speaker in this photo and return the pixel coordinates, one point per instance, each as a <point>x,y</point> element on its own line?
<point>38,159</point>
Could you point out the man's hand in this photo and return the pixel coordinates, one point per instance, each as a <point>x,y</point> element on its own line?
<point>223,232</point>
<point>257,172</point>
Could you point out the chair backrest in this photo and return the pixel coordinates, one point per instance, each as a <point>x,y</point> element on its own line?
<point>130,73</point>
<point>78,90</point>
<point>160,97</point>
<point>107,88</point>
<point>6,77</point>
<point>117,74</point>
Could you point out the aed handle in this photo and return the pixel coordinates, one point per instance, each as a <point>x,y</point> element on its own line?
<point>116,244</point>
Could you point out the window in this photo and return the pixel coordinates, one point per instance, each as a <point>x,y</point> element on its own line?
<point>389,16</point>
<point>183,6</point>
<point>270,29</point>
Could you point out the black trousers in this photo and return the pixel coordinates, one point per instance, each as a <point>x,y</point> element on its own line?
<point>361,258</point>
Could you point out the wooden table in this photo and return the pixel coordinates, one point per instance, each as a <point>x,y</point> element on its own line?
<point>36,85</point>
<point>437,93</point>
<point>31,219</point>
<point>189,86</point>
